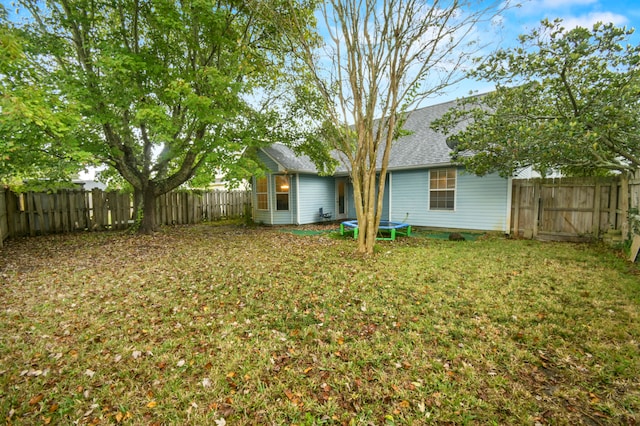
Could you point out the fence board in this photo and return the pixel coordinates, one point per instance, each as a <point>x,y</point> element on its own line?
<point>73,211</point>
<point>37,202</point>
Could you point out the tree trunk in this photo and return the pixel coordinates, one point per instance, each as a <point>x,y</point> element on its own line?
<point>137,205</point>
<point>372,225</point>
<point>148,222</point>
<point>368,217</point>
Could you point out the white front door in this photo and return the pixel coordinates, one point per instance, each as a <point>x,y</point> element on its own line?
<point>341,198</point>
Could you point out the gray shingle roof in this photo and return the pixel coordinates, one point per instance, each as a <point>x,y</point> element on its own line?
<point>288,160</point>
<point>423,147</point>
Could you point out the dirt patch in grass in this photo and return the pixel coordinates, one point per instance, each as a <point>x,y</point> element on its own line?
<point>198,324</point>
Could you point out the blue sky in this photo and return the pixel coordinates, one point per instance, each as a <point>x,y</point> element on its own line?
<point>523,19</point>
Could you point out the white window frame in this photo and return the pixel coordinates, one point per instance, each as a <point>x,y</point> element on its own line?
<point>435,176</point>
<point>265,193</point>
<point>280,191</point>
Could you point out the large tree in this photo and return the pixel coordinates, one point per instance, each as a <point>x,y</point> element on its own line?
<point>36,130</point>
<point>564,99</point>
<point>164,87</point>
<point>380,59</point>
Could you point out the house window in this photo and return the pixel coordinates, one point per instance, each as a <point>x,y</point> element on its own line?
<point>261,193</point>
<point>282,192</point>
<point>442,189</point>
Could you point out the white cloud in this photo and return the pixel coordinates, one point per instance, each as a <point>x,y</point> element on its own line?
<point>534,7</point>
<point>589,19</point>
<point>558,4</point>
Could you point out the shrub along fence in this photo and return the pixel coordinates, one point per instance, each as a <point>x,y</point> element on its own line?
<point>35,213</point>
<point>574,208</point>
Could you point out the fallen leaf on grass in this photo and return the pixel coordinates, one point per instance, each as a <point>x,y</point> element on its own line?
<point>36,399</point>
<point>295,400</point>
<point>152,404</point>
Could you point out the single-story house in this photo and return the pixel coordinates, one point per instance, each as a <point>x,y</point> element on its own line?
<point>423,187</point>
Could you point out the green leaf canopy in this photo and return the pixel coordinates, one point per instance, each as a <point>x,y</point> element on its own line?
<point>565,100</point>
<point>163,88</point>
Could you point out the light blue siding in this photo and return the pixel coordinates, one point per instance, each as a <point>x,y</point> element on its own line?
<point>351,205</point>
<point>351,211</point>
<point>385,199</point>
<point>316,192</point>
<point>268,162</point>
<point>480,202</point>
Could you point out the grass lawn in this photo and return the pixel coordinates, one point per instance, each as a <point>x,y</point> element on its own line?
<point>219,324</point>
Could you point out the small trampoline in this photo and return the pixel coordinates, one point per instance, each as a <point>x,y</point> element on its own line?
<point>386,228</point>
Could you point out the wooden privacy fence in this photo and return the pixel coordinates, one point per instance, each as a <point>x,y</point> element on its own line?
<point>33,213</point>
<point>573,208</point>
<point>175,208</point>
